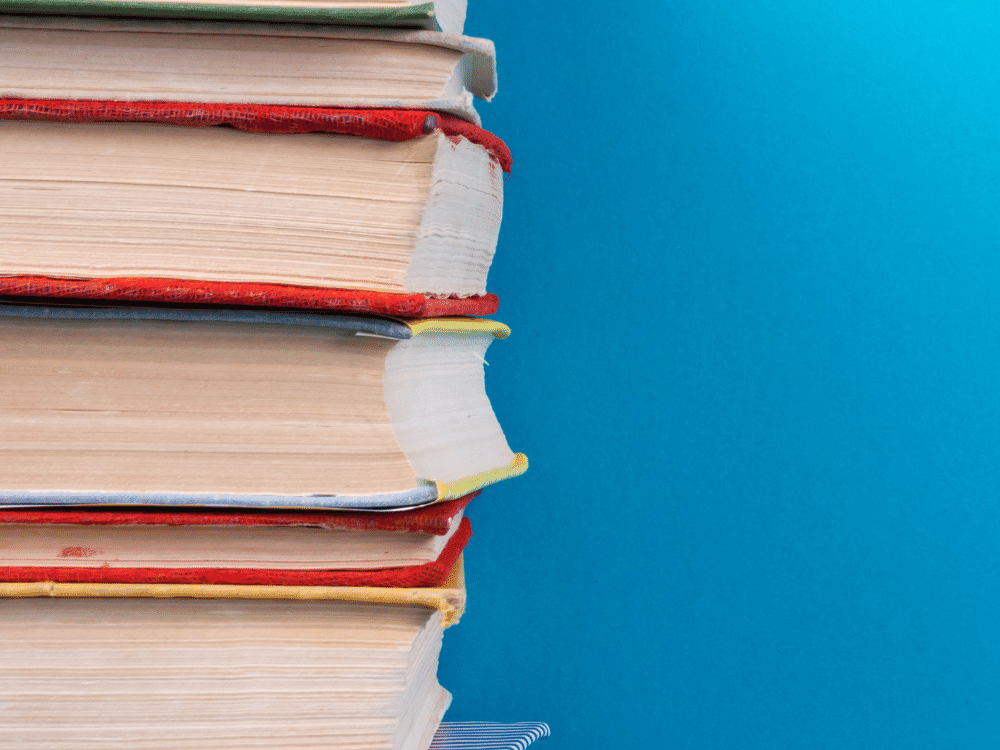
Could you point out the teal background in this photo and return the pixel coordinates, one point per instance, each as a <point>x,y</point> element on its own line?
<point>750,259</point>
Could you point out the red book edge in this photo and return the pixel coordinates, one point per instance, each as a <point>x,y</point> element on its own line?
<point>384,124</point>
<point>124,289</point>
<point>426,575</point>
<point>432,519</point>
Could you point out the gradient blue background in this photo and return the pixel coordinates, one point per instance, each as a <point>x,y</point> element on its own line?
<point>750,257</point>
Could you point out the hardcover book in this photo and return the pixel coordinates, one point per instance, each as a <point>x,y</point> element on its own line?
<point>61,57</point>
<point>236,408</point>
<point>444,15</point>
<point>88,666</point>
<point>286,207</point>
<point>416,548</point>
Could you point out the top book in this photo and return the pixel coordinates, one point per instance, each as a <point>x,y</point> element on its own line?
<point>445,15</point>
<point>307,65</point>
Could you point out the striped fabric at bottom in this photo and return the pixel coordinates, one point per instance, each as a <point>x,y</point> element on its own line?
<point>485,735</point>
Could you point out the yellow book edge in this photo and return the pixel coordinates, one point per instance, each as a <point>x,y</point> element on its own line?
<point>458,325</point>
<point>462,487</point>
<point>449,597</point>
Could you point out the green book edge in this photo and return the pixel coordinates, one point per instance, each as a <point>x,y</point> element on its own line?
<point>414,16</point>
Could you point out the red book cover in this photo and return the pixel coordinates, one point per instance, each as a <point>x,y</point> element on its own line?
<point>391,125</point>
<point>435,519</point>
<point>429,519</point>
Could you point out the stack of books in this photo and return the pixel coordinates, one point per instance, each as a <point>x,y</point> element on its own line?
<point>243,407</point>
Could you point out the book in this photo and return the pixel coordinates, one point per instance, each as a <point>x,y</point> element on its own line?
<point>444,15</point>
<point>239,408</point>
<point>416,548</point>
<point>198,667</point>
<point>486,735</point>
<point>60,57</point>
<point>266,211</point>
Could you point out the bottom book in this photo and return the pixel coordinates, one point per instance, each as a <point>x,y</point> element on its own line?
<point>485,735</point>
<point>187,667</point>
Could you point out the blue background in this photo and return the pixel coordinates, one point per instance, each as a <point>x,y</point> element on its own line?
<point>750,258</point>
